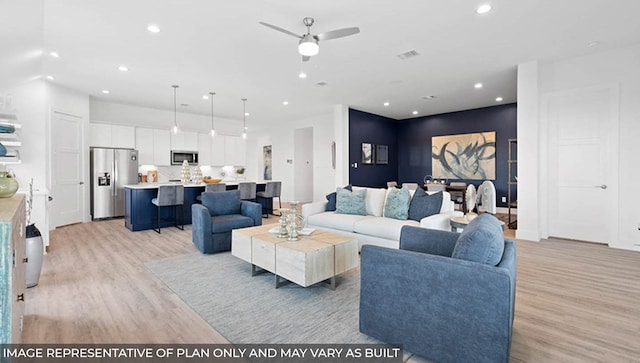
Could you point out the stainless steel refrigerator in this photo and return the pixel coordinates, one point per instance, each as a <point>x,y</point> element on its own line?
<point>111,170</point>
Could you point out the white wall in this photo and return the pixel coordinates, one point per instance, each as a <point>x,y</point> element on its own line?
<point>22,33</point>
<point>281,137</point>
<point>617,66</point>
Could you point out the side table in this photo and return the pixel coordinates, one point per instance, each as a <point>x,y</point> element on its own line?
<point>462,222</point>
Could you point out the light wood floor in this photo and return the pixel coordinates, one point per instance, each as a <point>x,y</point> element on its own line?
<point>575,301</point>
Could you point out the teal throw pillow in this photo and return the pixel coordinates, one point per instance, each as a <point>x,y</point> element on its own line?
<point>397,205</point>
<point>348,202</point>
<point>331,200</point>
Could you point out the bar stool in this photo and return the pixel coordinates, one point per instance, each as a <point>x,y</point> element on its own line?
<point>271,190</point>
<point>247,191</point>
<point>170,196</point>
<point>217,187</point>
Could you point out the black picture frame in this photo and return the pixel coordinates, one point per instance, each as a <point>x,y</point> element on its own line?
<point>367,153</point>
<point>382,154</point>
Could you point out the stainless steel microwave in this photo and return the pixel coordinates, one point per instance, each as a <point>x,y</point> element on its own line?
<point>178,157</point>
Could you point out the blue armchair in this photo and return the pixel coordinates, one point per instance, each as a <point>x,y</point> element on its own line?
<point>219,214</point>
<point>446,296</point>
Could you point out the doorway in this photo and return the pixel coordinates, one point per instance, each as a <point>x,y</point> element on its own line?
<point>67,173</point>
<point>303,165</point>
<point>583,163</point>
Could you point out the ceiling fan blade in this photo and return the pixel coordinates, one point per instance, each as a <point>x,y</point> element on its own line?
<point>281,30</point>
<point>305,58</point>
<point>339,33</point>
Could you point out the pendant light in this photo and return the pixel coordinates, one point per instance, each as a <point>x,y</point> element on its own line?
<point>175,129</point>
<point>244,119</point>
<point>213,127</point>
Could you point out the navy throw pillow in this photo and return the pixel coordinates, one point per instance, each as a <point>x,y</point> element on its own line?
<point>424,205</point>
<point>331,200</point>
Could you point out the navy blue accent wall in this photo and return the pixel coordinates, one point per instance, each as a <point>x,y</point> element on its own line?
<point>378,130</point>
<point>414,147</point>
<point>410,143</point>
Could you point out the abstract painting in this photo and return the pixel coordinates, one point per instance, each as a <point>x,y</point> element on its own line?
<point>465,156</point>
<point>367,153</point>
<point>266,160</point>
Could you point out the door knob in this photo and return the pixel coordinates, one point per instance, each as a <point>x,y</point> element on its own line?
<point>603,186</point>
<point>81,183</point>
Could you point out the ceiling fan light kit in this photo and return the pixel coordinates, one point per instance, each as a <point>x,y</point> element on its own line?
<point>308,46</point>
<point>308,43</point>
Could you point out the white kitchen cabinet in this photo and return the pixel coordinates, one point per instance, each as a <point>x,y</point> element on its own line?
<point>123,137</point>
<point>100,135</point>
<point>230,150</point>
<point>161,148</point>
<point>235,151</point>
<point>218,150</point>
<point>104,135</point>
<point>144,145</point>
<point>184,141</point>
<point>204,150</point>
<point>241,152</point>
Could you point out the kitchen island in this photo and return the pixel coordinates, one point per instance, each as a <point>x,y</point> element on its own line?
<point>139,213</point>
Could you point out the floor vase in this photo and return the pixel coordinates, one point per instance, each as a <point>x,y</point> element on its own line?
<point>35,250</point>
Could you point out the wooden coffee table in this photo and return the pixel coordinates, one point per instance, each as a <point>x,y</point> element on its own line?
<point>319,257</point>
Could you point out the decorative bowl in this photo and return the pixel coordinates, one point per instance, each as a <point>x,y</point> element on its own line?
<point>211,180</point>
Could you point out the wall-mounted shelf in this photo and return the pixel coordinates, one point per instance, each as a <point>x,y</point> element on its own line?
<point>10,141</point>
<point>512,190</point>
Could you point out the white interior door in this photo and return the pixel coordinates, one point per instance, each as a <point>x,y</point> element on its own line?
<point>67,183</point>
<point>303,165</point>
<point>583,164</point>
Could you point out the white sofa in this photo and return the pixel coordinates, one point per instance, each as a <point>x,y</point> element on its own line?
<point>374,229</point>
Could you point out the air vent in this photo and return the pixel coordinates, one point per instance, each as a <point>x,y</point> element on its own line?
<point>406,55</point>
<point>322,83</point>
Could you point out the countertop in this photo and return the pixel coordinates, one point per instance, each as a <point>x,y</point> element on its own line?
<point>155,185</point>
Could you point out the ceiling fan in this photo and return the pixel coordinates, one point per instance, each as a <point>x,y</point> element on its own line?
<point>308,44</point>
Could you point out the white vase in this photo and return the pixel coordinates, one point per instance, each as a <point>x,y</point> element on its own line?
<point>34,251</point>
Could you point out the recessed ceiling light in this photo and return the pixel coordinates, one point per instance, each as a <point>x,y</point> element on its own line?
<point>483,9</point>
<point>50,78</point>
<point>205,97</point>
<point>595,43</point>
<point>415,112</point>
<point>302,75</point>
<point>246,114</point>
<point>428,97</point>
<point>153,28</point>
<point>386,104</point>
<point>54,55</point>
<point>498,99</point>
<point>285,102</point>
<point>478,85</point>
<point>105,91</point>
<point>123,68</point>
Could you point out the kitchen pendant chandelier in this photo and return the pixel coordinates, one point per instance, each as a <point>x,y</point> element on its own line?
<point>213,125</point>
<point>244,119</point>
<point>175,129</point>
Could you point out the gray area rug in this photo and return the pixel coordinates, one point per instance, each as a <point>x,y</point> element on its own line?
<point>247,309</point>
